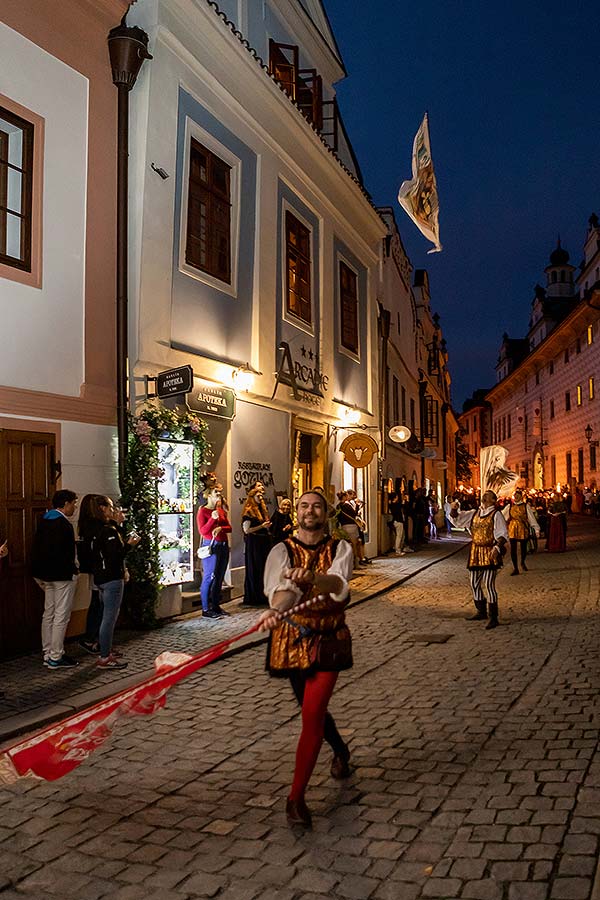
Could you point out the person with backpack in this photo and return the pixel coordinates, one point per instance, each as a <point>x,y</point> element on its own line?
<point>110,574</point>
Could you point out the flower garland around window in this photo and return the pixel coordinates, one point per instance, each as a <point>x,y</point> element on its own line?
<point>140,497</point>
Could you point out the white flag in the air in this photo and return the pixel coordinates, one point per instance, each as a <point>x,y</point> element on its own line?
<point>419,196</point>
<point>494,474</point>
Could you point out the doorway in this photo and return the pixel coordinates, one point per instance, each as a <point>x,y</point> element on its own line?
<point>310,456</point>
<point>26,487</point>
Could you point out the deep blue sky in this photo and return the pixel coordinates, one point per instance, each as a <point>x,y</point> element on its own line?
<point>513,95</point>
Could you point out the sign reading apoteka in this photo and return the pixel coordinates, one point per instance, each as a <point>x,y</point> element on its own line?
<point>174,381</point>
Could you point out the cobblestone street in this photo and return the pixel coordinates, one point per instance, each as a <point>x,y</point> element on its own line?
<point>477,771</point>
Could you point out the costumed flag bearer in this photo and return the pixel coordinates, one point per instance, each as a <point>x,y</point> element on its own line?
<point>312,647</point>
<point>489,536</point>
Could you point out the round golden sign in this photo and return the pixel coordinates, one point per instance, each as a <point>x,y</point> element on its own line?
<point>358,449</point>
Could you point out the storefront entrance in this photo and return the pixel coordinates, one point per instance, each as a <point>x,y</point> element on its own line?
<point>310,456</point>
<point>26,487</point>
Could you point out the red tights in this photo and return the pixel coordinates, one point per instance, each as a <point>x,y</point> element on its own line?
<point>317,694</point>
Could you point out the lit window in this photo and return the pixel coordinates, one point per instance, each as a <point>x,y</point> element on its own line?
<point>298,268</point>
<point>591,386</point>
<point>590,334</point>
<point>208,244</point>
<point>349,315</point>
<point>579,395</point>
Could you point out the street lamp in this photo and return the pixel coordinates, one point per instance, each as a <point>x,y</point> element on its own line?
<point>588,431</point>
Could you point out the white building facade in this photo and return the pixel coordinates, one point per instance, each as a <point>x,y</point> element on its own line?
<point>258,253</point>
<point>414,378</point>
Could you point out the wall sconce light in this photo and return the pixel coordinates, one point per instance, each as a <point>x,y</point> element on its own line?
<point>351,415</point>
<point>243,377</point>
<point>400,434</point>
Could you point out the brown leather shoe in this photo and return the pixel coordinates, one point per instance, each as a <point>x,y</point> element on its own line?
<point>298,813</point>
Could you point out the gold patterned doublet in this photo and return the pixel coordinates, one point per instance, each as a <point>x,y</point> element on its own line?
<point>287,648</point>
<point>518,524</point>
<point>482,532</point>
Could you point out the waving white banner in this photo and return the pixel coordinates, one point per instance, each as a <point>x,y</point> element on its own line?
<point>419,196</point>
<point>494,474</point>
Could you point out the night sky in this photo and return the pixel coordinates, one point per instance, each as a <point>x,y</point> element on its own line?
<point>513,95</point>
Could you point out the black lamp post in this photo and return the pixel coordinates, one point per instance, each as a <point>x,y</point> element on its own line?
<point>128,48</point>
<point>588,431</point>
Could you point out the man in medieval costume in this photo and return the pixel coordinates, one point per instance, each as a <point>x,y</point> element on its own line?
<point>520,520</point>
<point>310,646</point>
<point>489,536</point>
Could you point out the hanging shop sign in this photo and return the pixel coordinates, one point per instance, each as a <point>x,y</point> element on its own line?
<point>212,400</point>
<point>358,449</point>
<point>303,376</point>
<point>174,381</point>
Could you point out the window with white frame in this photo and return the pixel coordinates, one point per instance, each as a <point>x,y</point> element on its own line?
<point>210,206</point>
<point>16,190</point>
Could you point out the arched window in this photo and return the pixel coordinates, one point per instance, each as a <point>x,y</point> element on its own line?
<point>553,278</point>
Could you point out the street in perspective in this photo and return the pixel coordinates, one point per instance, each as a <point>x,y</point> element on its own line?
<point>299,435</point>
<point>475,764</point>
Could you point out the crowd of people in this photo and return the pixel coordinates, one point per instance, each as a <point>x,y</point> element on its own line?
<point>99,551</point>
<point>416,518</point>
<point>299,570</point>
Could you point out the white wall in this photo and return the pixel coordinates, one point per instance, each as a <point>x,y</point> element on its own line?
<point>89,458</point>
<point>44,327</point>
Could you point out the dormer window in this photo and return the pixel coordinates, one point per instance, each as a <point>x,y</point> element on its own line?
<point>305,87</point>
<point>283,65</point>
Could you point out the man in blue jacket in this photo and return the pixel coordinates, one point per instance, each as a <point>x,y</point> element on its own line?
<point>54,567</point>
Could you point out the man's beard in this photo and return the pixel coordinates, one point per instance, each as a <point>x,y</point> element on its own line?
<point>314,525</point>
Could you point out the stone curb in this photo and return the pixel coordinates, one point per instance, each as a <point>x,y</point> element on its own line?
<point>33,720</point>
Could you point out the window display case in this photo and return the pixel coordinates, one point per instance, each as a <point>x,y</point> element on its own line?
<point>175,511</point>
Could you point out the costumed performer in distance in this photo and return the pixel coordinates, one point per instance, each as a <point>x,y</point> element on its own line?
<point>520,519</point>
<point>314,645</point>
<point>489,536</point>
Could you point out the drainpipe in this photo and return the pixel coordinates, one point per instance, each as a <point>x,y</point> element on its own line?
<point>384,333</point>
<point>128,48</point>
<point>422,393</point>
<point>445,411</point>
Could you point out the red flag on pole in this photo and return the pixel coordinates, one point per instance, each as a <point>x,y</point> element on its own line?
<point>60,748</point>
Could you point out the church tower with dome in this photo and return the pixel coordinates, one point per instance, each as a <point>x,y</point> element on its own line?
<point>559,274</point>
<point>552,303</point>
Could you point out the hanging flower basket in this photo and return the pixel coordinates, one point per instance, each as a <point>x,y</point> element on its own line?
<point>140,496</point>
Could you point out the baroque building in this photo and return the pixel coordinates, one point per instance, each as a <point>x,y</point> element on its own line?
<point>544,405</point>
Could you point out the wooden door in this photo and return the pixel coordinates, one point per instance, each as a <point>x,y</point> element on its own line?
<point>26,488</point>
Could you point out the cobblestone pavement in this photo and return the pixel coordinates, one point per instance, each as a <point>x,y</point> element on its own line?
<point>32,695</point>
<point>477,772</point>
